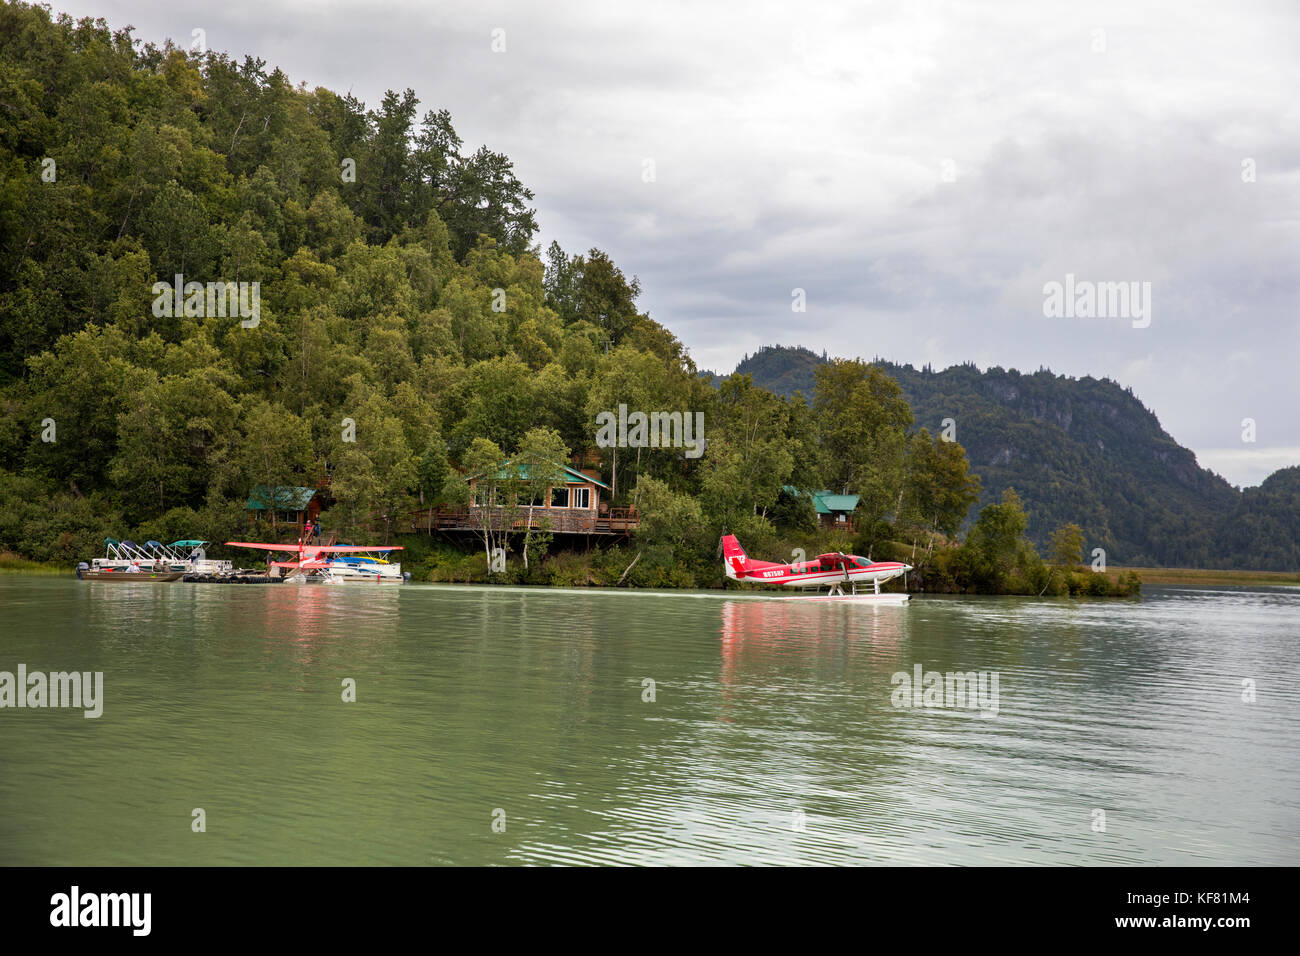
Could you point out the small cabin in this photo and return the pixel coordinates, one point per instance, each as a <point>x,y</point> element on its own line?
<point>577,496</point>
<point>289,503</point>
<point>571,506</point>
<point>834,512</point>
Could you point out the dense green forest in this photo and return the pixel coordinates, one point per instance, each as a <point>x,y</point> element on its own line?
<point>1084,451</point>
<point>406,329</point>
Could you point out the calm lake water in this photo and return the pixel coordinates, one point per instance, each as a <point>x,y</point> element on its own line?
<point>773,735</point>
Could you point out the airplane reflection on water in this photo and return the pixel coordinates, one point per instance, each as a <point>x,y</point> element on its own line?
<point>299,620</point>
<point>763,637</point>
<point>303,616</point>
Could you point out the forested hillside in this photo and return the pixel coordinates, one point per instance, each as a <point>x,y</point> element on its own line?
<point>213,279</point>
<point>403,312</point>
<point>1263,528</point>
<point>399,326</point>
<point>1084,451</point>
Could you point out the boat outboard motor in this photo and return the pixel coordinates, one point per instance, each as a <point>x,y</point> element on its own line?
<point>82,566</point>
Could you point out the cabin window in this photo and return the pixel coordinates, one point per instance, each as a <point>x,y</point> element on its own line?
<point>559,497</point>
<point>580,497</point>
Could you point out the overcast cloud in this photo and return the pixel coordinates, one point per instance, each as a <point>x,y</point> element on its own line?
<point>920,170</point>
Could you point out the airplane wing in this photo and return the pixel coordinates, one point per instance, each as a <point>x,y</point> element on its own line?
<point>311,548</point>
<point>340,548</point>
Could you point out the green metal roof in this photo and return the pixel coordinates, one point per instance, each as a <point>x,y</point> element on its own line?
<point>826,502</point>
<point>573,473</point>
<point>287,498</point>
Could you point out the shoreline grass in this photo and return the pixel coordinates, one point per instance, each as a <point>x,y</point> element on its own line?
<point>1211,576</point>
<point>11,563</point>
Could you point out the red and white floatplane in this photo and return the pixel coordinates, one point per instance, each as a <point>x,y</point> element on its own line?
<point>834,570</point>
<point>331,564</point>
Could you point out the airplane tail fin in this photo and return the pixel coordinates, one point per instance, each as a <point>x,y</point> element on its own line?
<point>734,558</point>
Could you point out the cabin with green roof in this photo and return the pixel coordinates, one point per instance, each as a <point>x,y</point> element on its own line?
<point>571,506</point>
<point>289,503</point>
<point>834,512</point>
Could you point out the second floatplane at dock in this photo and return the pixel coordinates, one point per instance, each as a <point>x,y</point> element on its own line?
<point>331,564</point>
<point>154,562</point>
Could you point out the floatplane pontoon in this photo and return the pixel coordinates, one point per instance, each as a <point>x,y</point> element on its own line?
<point>316,563</point>
<point>833,570</point>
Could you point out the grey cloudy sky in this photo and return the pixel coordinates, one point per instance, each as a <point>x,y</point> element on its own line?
<point>921,170</point>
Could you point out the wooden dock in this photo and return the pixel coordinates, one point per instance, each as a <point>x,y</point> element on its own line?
<point>234,577</point>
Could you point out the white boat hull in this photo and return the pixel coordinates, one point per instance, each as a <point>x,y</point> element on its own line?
<point>366,574</point>
<point>367,582</point>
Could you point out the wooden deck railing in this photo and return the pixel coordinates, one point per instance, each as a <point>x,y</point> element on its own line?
<point>561,520</point>
<point>622,519</point>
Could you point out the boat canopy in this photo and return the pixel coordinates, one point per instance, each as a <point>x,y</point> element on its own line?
<point>127,550</point>
<point>189,544</point>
